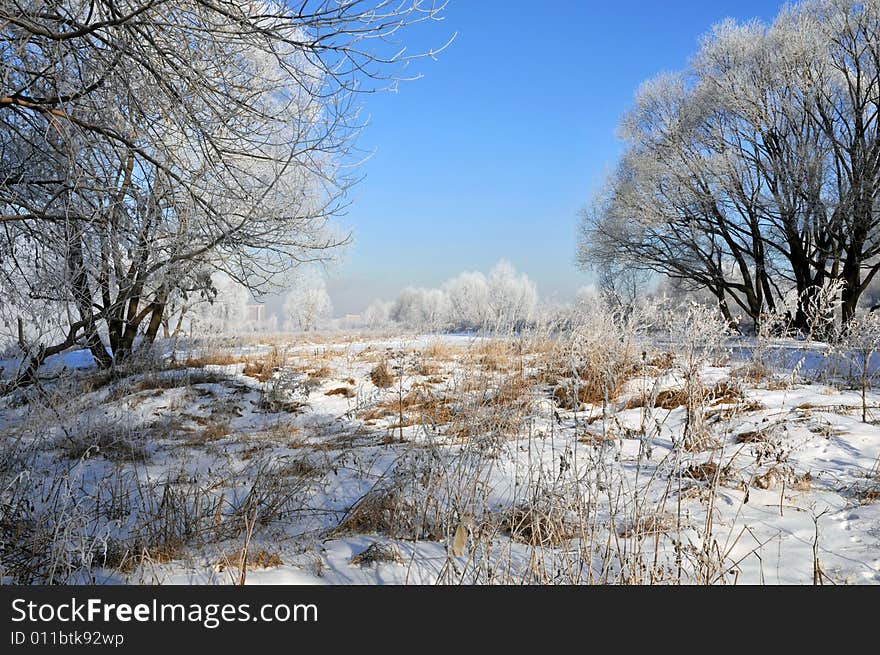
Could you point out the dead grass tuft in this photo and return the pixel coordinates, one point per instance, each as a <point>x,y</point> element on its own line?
<point>378,554</point>
<point>110,442</point>
<point>165,380</point>
<point>440,351</point>
<point>126,560</point>
<point>214,429</point>
<point>321,373</point>
<point>753,436</point>
<point>769,479</point>
<point>264,368</point>
<point>596,439</point>
<point>726,413</point>
<point>802,482</point>
<point>255,559</point>
<point>591,390</point>
<point>672,399</point>
<point>653,524</point>
<point>419,405</point>
<point>380,511</point>
<point>427,369</point>
<point>214,358</point>
<point>381,376</point>
<point>700,440</point>
<point>723,393</point>
<point>753,372</point>
<point>532,525</point>
<point>706,472</point>
<point>492,409</point>
<point>663,361</point>
<point>348,392</point>
<point>868,495</point>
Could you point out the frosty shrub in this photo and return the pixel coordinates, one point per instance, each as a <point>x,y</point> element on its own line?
<point>420,308</point>
<point>307,302</point>
<point>605,347</point>
<point>858,345</point>
<point>378,314</point>
<point>697,333</point>
<point>820,304</point>
<point>512,298</point>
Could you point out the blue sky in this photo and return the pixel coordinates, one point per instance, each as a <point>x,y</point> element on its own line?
<point>506,136</point>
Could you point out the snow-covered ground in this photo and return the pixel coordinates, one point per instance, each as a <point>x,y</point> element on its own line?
<point>465,465</point>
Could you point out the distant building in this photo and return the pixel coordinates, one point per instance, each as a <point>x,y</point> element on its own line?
<point>256,313</point>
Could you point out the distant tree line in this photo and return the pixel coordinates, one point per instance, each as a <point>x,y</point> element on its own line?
<point>501,301</point>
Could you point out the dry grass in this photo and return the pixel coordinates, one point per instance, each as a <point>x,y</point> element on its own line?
<point>492,391</point>
<point>382,510</point>
<point>722,393</point>
<point>768,479</point>
<point>255,559</point>
<point>440,351</point>
<point>653,524</point>
<point>163,381</point>
<point>265,367</point>
<point>868,495</point>
<point>706,472</point>
<point>594,386</point>
<point>127,560</point>
<point>213,429</point>
<point>802,482</point>
<point>491,408</point>
<point>298,468</point>
<point>419,406</point>
<point>753,372</point>
<point>427,369</point>
<point>670,399</point>
<point>726,413</point>
<point>114,443</point>
<point>381,376</point>
<point>568,398</point>
<point>753,436</point>
<point>699,439</point>
<point>378,554</point>
<point>494,355</point>
<point>284,431</point>
<point>536,526</point>
<point>663,361</point>
<point>348,392</point>
<point>213,358</point>
<point>281,406</point>
<point>321,373</point>
<point>320,356</point>
<point>596,439</point>
<point>725,392</point>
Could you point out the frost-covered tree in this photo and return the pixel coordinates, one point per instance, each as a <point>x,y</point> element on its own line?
<point>307,302</point>
<point>500,301</point>
<point>378,314</point>
<point>421,308</point>
<point>468,295</point>
<point>141,141</point>
<point>754,172</point>
<point>512,297</point>
<point>224,310</point>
